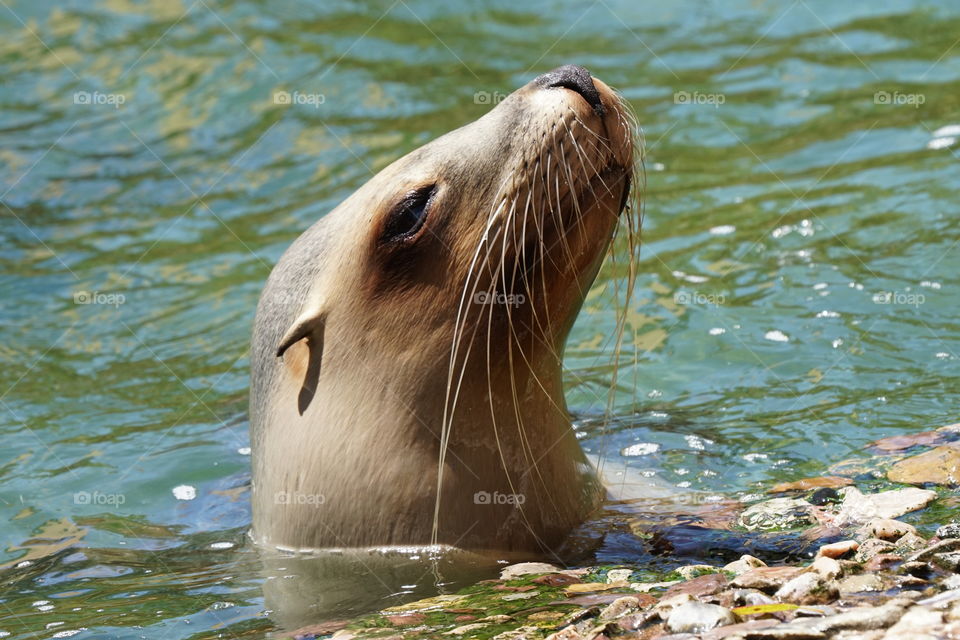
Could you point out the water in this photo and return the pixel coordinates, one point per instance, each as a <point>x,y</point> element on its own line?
<point>795,298</point>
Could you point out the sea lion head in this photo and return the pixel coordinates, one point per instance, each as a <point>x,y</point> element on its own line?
<point>465,260</point>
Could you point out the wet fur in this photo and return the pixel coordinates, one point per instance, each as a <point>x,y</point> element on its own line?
<point>416,398</point>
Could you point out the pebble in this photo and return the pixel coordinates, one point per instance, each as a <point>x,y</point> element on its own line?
<point>668,604</point>
<point>739,630</point>
<point>406,619</point>
<point>949,561</point>
<point>766,578</point>
<point>698,587</point>
<point>619,575</point>
<point>808,588</point>
<point>951,530</point>
<point>697,617</point>
<point>750,597</point>
<point>938,466</point>
<point>744,564</point>
<point>467,628</point>
<point>620,607</point>
<point>910,542</point>
<point>882,562</point>
<point>643,587</point>
<point>827,568</point>
<point>527,568</point>
<point>873,547</point>
<point>777,514</point>
<point>858,508</point>
<point>520,633</point>
<point>950,544</point>
<point>838,549</point>
<point>570,633</point>
<point>590,587</point>
<point>499,618</point>
<point>860,618</point>
<point>691,571</point>
<point>861,583</point>
<point>952,582</point>
<point>886,529</point>
<point>918,622</point>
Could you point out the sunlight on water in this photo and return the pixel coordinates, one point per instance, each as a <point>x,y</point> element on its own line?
<point>794,300</point>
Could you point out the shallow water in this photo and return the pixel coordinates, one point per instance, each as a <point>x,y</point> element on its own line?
<point>795,299</point>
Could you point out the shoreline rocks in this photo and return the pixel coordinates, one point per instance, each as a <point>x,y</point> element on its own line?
<point>865,574</point>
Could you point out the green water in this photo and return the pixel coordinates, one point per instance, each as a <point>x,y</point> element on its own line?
<point>796,296</point>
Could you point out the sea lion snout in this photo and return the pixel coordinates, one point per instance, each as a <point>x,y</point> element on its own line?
<point>577,79</point>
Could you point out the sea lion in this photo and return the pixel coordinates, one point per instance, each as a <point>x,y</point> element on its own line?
<point>406,382</point>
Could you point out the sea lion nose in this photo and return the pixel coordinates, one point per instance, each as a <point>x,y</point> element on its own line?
<point>575,78</point>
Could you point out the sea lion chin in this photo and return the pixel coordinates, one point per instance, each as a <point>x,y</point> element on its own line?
<point>406,362</point>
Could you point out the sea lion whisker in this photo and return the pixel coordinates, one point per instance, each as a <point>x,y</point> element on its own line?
<point>460,324</point>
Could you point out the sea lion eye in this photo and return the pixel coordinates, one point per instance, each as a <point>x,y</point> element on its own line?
<point>408,216</point>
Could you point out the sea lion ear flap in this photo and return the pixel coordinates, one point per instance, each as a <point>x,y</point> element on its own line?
<point>310,325</point>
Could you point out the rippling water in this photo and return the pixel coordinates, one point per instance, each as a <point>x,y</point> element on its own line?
<point>796,297</point>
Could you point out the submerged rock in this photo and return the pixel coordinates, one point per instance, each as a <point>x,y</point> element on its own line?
<point>939,466</point>
<point>806,484</point>
<point>858,508</point>
<point>776,514</point>
<point>527,568</point>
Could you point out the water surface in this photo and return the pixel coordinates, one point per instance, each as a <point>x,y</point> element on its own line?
<point>796,296</point>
